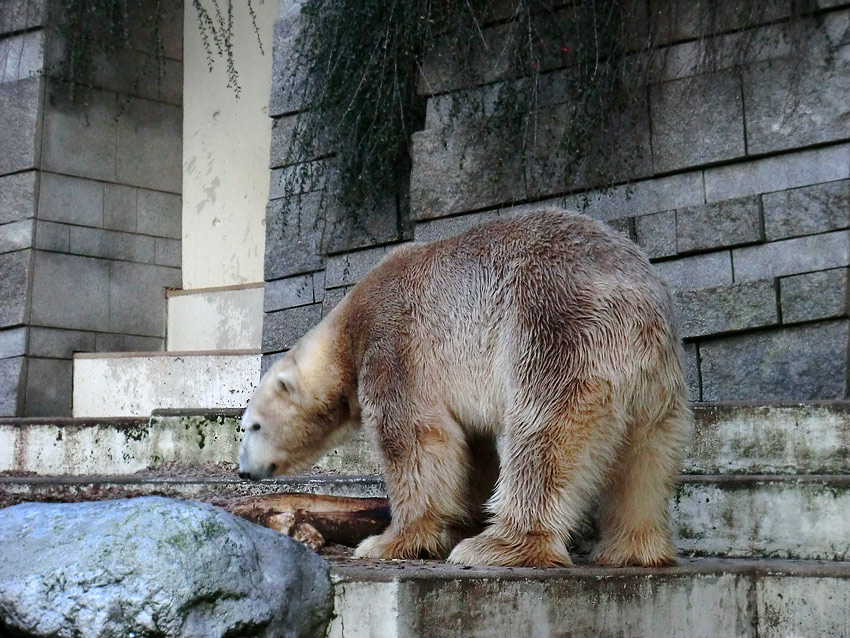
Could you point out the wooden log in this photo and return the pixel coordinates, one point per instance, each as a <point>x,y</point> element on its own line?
<point>316,519</point>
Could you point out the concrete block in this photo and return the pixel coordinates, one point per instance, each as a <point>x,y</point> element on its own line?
<point>170,24</point>
<point>689,20</point>
<point>699,271</point>
<point>288,81</point>
<point>461,170</point>
<point>488,56</point>
<point>767,439</point>
<point>48,390</point>
<point>781,172</point>
<point>318,286</point>
<point>74,200</point>
<point>729,308</point>
<point>482,604</point>
<point>59,344</point>
<point>623,225</point>
<point>16,235</point>
<point>288,293</point>
<point>729,223</point>
<point>656,234</point>
<point>159,214</point>
<point>18,196</point>
<point>792,256</point>
<point>117,446</point>
<point>21,56</point>
<point>14,280</point>
<point>795,518</point>
<point>19,15</point>
<point>132,73</point>
<point>149,146</point>
<point>627,130</point>
<point>298,179</point>
<point>119,207</point>
<point>80,139</point>
<point>434,229</point>
<point>348,269</point>
<point>13,342</point>
<point>280,148</point>
<point>12,379</point>
<point>216,319</point>
<point>110,342</point>
<point>137,297</point>
<point>21,104</point>
<point>641,198</point>
<point>332,299</point>
<point>53,236</point>
<point>466,168</point>
<point>70,291</point>
<point>810,109</point>
<point>168,252</point>
<point>281,151</point>
<point>136,385</point>
<point>792,364</point>
<point>696,121</point>
<point>269,360</point>
<point>283,328</point>
<point>374,222</point>
<point>691,363</point>
<point>807,210</point>
<point>814,295</point>
<point>293,230</point>
<point>94,242</point>
<point>817,608</point>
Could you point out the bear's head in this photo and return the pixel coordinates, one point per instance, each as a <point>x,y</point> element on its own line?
<point>300,408</point>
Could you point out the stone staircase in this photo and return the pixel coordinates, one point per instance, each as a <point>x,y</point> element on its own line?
<point>212,358</point>
<point>760,515</point>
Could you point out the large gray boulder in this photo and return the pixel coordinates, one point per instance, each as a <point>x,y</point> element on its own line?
<point>154,567</point>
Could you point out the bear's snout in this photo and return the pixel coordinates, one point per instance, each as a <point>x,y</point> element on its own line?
<point>244,475</point>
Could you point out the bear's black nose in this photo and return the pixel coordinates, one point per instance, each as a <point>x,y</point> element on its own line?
<point>244,475</point>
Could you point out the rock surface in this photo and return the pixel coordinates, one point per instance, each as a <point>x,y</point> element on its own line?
<point>154,567</point>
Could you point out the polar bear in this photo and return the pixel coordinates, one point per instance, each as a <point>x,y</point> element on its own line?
<point>548,334</point>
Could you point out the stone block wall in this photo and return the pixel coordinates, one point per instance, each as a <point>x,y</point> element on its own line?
<point>89,204</point>
<point>734,179</point>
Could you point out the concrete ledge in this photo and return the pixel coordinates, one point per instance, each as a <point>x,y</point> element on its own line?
<point>788,517</point>
<point>224,318</point>
<point>106,386</point>
<point>208,488</point>
<point>728,439</point>
<point>188,438</point>
<point>698,598</point>
<point>803,438</point>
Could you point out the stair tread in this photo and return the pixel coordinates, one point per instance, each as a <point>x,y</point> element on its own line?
<point>357,569</point>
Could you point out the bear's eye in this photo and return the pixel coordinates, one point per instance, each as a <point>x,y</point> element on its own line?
<point>255,427</point>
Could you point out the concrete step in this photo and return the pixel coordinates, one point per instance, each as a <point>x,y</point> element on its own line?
<point>728,439</point>
<point>703,598</point>
<point>761,480</point>
<point>802,517</point>
<point>136,383</point>
<point>127,445</point>
<point>219,318</point>
<point>214,486</point>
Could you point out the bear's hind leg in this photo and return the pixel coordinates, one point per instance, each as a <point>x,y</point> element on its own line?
<point>553,459</point>
<point>635,504</point>
<point>427,489</point>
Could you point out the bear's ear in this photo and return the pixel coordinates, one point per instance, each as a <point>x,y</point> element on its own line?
<point>287,380</point>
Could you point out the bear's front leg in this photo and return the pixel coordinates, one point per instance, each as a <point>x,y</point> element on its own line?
<point>426,466</point>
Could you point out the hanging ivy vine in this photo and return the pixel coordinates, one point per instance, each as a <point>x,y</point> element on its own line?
<point>365,62</point>
<point>90,32</point>
<point>362,67</point>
